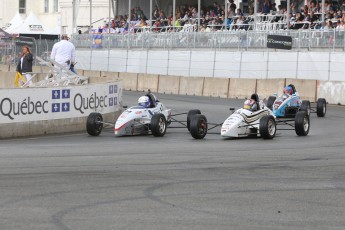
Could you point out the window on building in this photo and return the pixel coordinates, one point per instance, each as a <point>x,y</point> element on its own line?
<point>56,5</point>
<point>46,6</point>
<point>22,6</point>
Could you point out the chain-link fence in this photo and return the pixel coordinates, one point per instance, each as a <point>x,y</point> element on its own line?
<point>306,40</point>
<point>10,48</point>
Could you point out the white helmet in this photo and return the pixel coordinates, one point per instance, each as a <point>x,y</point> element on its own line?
<point>144,101</point>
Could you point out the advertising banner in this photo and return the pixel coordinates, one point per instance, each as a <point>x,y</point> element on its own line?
<point>35,104</point>
<point>279,42</point>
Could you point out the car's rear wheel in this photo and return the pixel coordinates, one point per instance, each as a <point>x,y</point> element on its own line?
<point>158,125</point>
<point>305,106</point>
<point>270,102</point>
<point>268,127</point>
<point>190,114</point>
<point>302,123</point>
<point>321,107</point>
<point>198,126</point>
<point>94,124</point>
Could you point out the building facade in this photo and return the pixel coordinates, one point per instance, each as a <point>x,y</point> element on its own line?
<point>57,13</point>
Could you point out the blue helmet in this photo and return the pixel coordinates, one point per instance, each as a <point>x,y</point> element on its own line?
<point>288,90</point>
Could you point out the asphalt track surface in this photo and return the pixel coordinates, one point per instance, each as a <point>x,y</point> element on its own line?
<point>175,182</point>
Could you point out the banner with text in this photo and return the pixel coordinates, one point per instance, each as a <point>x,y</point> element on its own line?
<point>35,104</point>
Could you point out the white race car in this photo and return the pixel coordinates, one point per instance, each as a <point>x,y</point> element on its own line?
<point>150,116</point>
<point>253,120</point>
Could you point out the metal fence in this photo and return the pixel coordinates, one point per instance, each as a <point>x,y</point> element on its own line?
<point>306,40</point>
<point>333,40</point>
<point>10,48</point>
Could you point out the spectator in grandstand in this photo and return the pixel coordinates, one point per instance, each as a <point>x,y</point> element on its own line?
<point>142,23</point>
<point>156,26</point>
<point>239,22</point>
<point>327,26</point>
<point>139,12</point>
<point>162,14</point>
<point>305,10</point>
<point>155,13</point>
<point>185,17</point>
<point>178,13</point>
<point>25,63</point>
<point>294,6</point>
<point>313,7</point>
<point>232,5</point>
<point>313,20</point>
<point>266,8</point>
<point>63,52</point>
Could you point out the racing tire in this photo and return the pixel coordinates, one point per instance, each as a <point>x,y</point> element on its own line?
<point>270,102</point>
<point>268,127</point>
<point>198,126</point>
<point>158,125</point>
<point>302,123</point>
<point>93,124</point>
<point>321,107</point>
<point>305,106</point>
<point>190,114</point>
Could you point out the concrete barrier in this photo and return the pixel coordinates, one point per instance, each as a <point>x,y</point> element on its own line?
<point>191,86</point>
<point>4,68</point>
<point>104,79</point>
<point>91,73</point>
<point>58,126</point>
<point>305,88</point>
<point>13,68</point>
<point>267,87</point>
<point>130,81</point>
<point>333,92</point>
<point>169,84</point>
<point>147,81</point>
<point>241,88</point>
<point>110,74</point>
<point>7,79</point>
<point>216,87</point>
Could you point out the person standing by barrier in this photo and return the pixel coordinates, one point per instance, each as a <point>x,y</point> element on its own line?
<point>63,52</point>
<point>25,63</point>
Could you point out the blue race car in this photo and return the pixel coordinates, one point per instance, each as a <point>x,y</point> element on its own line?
<point>289,103</point>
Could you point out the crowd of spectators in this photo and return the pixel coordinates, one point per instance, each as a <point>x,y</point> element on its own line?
<point>220,17</point>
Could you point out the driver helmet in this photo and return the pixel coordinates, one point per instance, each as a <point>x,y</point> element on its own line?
<point>288,90</point>
<point>144,101</point>
<point>250,105</point>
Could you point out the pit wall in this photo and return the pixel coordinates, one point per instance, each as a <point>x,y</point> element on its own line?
<point>40,111</point>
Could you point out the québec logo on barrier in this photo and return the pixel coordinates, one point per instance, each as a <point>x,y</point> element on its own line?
<point>61,95</point>
<point>112,99</point>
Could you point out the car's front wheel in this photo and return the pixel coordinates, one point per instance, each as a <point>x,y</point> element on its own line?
<point>94,124</point>
<point>198,126</point>
<point>305,106</point>
<point>190,114</point>
<point>268,127</point>
<point>302,123</point>
<point>158,125</point>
